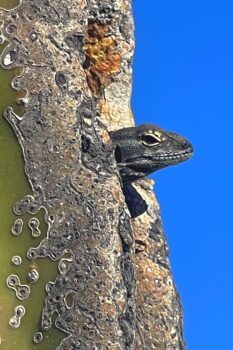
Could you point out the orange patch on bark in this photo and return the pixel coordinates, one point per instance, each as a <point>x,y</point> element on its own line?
<point>102,57</point>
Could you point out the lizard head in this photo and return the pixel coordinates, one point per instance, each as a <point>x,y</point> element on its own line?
<point>142,150</point>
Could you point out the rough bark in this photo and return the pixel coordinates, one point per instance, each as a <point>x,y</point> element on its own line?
<point>114,288</point>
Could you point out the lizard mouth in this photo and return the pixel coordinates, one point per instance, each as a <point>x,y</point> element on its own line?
<point>179,156</point>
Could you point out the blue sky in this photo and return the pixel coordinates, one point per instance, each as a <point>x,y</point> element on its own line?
<point>183,81</point>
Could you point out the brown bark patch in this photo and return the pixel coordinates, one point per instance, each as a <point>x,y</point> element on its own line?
<point>102,57</point>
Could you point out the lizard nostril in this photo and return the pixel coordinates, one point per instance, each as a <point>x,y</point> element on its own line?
<point>186,145</point>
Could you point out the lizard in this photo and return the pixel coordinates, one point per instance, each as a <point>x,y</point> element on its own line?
<point>141,150</point>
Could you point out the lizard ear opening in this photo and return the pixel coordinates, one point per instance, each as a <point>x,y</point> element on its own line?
<point>118,154</point>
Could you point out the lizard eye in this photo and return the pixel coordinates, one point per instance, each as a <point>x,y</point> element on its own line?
<point>150,140</point>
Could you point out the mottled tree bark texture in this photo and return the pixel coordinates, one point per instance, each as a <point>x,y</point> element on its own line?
<point>114,288</point>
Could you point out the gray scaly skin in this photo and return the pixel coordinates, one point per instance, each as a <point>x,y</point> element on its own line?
<point>141,150</point>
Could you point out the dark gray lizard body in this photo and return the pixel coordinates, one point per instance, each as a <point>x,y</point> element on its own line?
<point>141,150</point>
